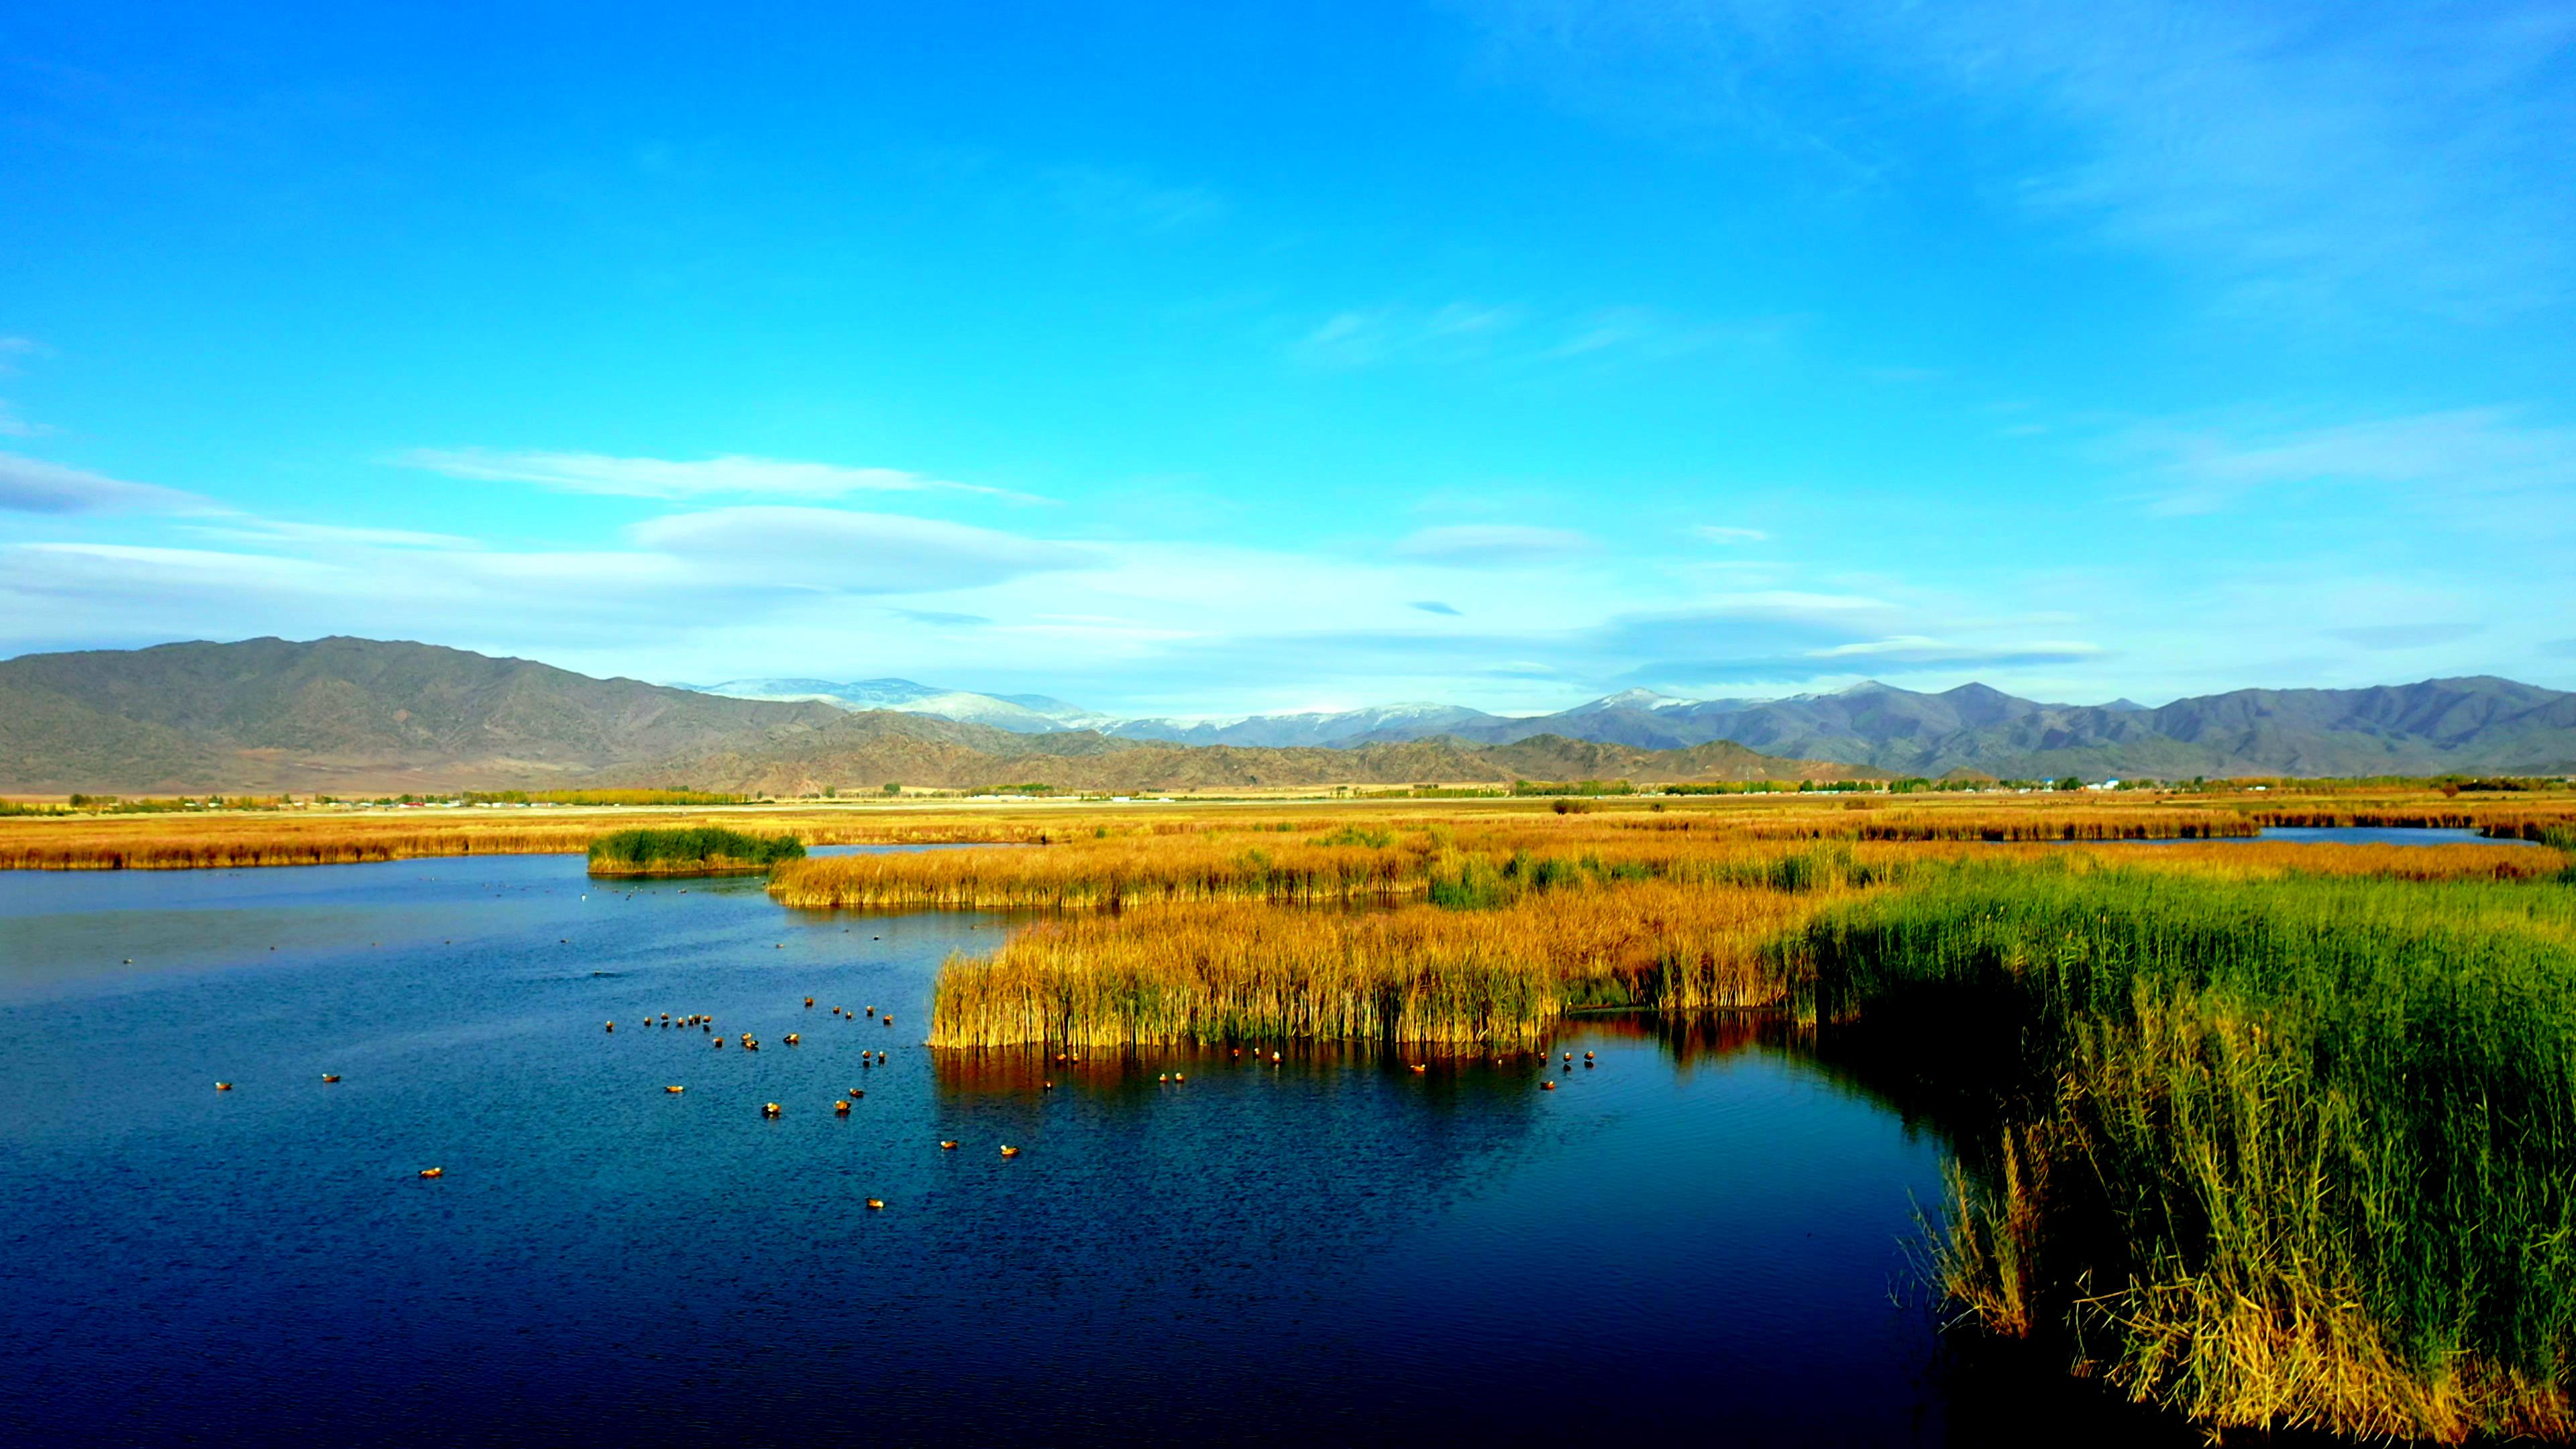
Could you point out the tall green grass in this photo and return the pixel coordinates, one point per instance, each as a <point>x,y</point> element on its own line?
<point>2278,1152</point>
<point>690,850</point>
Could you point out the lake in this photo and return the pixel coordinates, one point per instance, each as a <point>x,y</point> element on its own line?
<point>1706,1235</point>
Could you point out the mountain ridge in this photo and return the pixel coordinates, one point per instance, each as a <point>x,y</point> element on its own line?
<point>345,715</point>
<point>348,714</point>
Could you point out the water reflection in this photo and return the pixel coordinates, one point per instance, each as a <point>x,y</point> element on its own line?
<point>1704,1232</point>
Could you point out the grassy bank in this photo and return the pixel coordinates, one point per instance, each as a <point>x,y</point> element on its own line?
<point>698,850</point>
<point>2296,1152</point>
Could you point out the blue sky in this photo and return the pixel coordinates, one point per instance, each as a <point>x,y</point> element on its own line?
<point>1217,359</point>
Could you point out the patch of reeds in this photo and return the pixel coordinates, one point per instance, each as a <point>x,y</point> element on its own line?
<point>2297,1152</point>
<point>690,850</point>
<point>1213,974</point>
<point>1105,874</point>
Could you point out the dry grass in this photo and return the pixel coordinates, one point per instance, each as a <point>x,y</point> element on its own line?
<point>300,837</point>
<point>1249,972</point>
<point>1105,874</point>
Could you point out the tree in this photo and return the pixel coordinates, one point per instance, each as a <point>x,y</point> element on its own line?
<point>2071,782</point>
<point>893,788</point>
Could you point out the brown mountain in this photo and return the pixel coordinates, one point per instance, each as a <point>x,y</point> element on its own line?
<point>348,715</point>
<point>267,714</point>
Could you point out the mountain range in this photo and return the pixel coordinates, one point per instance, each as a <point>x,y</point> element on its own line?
<point>2436,726</point>
<point>361,716</point>
<point>347,715</point>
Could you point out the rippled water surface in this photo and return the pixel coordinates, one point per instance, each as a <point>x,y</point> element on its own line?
<point>1704,1236</point>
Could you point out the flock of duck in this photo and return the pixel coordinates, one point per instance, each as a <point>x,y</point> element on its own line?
<point>840,1107</point>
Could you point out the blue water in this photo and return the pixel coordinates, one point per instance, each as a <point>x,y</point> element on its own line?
<point>1703,1238</point>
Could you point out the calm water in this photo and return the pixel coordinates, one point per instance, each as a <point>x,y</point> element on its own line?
<point>1702,1237</point>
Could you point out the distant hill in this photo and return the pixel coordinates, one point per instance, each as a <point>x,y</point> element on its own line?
<point>360,715</point>
<point>357,714</point>
<point>353,715</point>
<point>2473,725</point>
<point>863,750</point>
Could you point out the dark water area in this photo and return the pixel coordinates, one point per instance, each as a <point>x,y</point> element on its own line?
<point>1706,1235</point>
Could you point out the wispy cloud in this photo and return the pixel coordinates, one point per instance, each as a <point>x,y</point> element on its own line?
<point>14,426</point>
<point>2296,154</point>
<point>1366,336</point>
<point>2480,455</point>
<point>941,618</point>
<point>678,479</point>
<point>1513,334</point>
<point>265,530</point>
<point>1719,533</point>
<point>1434,606</point>
<point>1490,545</point>
<point>840,551</point>
<point>2391,637</point>
<point>1104,196</point>
<point>29,485</point>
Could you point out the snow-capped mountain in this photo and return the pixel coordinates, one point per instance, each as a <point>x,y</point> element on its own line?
<point>1028,714</point>
<point>1336,727</point>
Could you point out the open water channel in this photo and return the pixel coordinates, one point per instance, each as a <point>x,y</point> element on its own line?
<point>1705,1236</point>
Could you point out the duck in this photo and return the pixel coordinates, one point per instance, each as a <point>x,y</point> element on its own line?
<point>855,1092</point>
<point>1547,1086</point>
<point>946,1145</point>
<point>881,1059</point>
<point>675,1090</point>
<point>1419,1067</point>
<point>842,1107</point>
<point>1177,1077</point>
<point>330,1076</point>
<point>889,1018</point>
<point>223,1086</point>
<point>769,1109</point>
<point>876,1204</point>
<point>612,1026</point>
<point>433,1172</point>
<point>1010,1151</point>
<point>1047,1085</point>
<point>1162,1076</point>
<point>792,1038</point>
<point>719,1043</point>
<point>809,1003</point>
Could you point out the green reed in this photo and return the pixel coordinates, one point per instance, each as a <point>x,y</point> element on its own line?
<point>2298,1151</point>
<point>689,850</point>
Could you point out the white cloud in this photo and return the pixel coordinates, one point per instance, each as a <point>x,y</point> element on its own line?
<point>676,479</point>
<point>1488,545</point>
<point>28,485</point>
<point>265,530</point>
<point>850,552</point>
<point>14,426</point>
<point>2479,457</point>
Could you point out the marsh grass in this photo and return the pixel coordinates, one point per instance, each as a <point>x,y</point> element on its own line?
<point>1209,974</point>
<point>2289,1152</point>
<point>690,850</point>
